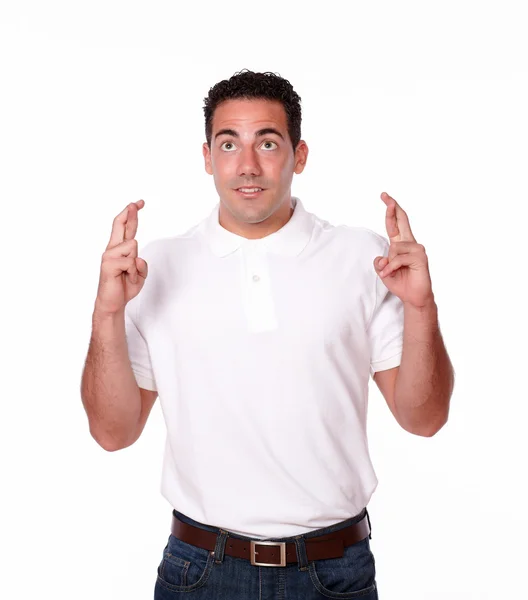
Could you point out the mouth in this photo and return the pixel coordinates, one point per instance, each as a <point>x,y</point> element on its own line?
<point>250,192</point>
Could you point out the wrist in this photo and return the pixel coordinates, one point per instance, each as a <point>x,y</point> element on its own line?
<point>429,307</point>
<point>101,314</point>
<point>421,323</point>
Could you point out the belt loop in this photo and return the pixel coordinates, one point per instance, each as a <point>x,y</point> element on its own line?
<point>220,546</point>
<point>370,527</point>
<point>302,557</point>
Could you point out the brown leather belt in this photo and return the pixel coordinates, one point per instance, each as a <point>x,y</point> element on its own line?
<point>274,554</point>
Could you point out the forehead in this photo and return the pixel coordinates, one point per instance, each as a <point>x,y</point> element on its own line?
<point>250,113</point>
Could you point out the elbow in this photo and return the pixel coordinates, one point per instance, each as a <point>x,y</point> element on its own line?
<point>111,447</point>
<point>105,443</point>
<point>110,444</point>
<point>430,430</point>
<point>427,419</point>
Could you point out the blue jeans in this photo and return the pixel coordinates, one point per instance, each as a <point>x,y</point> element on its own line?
<point>186,571</point>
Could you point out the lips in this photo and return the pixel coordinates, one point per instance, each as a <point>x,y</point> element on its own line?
<point>254,193</point>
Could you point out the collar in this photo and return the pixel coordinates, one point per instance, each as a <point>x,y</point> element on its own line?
<point>289,240</point>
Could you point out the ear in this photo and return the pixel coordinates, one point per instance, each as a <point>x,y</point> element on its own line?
<point>207,158</point>
<point>301,156</point>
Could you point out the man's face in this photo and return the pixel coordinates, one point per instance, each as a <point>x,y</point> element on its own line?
<point>251,147</point>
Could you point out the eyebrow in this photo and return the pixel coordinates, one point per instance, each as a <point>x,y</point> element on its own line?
<point>259,133</point>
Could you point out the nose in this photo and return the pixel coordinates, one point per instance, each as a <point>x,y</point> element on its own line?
<point>249,164</point>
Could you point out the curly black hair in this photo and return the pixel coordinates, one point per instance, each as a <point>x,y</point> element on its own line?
<point>248,84</point>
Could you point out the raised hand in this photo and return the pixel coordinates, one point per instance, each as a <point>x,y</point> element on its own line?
<point>405,271</point>
<point>123,273</point>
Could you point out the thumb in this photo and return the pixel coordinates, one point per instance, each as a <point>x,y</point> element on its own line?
<point>142,267</point>
<point>380,262</point>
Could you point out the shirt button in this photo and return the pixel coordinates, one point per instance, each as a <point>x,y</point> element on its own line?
<point>256,278</point>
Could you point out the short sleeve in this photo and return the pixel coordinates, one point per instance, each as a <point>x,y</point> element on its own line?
<point>385,331</point>
<point>138,348</point>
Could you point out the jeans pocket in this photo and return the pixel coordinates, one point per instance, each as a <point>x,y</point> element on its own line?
<point>352,575</point>
<point>184,567</point>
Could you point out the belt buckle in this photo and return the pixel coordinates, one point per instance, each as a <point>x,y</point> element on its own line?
<point>252,552</point>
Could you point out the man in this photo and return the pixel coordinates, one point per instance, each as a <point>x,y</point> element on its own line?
<point>258,328</point>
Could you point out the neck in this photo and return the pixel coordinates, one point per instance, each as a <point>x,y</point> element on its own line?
<point>257,230</point>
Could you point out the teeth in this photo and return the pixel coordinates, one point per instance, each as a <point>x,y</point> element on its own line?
<point>247,190</point>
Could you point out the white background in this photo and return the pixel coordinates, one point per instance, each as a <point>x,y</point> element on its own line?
<point>101,105</point>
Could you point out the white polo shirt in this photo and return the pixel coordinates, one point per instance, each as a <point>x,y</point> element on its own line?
<point>261,351</point>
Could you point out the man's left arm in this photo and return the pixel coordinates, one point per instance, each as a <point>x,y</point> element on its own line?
<point>425,378</point>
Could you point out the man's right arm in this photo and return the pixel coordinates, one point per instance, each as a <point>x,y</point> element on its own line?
<point>109,391</point>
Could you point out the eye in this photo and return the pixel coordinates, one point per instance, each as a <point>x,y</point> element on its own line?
<point>269,142</point>
<point>227,144</point>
